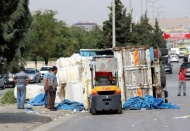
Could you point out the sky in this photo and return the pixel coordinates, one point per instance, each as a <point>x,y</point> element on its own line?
<point>73,11</point>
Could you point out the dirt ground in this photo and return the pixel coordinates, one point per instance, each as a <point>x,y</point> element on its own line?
<point>13,119</point>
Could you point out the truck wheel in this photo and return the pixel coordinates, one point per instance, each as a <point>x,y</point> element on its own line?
<point>163,76</point>
<point>119,111</point>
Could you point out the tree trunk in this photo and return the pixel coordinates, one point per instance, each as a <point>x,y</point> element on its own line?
<point>46,61</point>
<point>36,62</point>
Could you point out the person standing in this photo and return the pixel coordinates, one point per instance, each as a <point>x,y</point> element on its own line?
<point>52,87</point>
<point>182,80</point>
<point>46,96</point>
<point>21,79</point>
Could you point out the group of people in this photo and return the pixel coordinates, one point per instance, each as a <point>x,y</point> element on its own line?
<point>50,88</point>
<point>21,79</point>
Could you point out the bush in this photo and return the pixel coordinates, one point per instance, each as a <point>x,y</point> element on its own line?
<point>8,97</point>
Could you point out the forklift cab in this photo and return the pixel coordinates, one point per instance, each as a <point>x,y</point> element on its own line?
<point>106,94</point>
<point>103,78</point>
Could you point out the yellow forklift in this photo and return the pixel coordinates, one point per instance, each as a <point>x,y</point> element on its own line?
<point>105,93</point>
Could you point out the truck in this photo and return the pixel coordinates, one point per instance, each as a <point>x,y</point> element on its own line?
<point>141,72</point>
<point>183,51</point>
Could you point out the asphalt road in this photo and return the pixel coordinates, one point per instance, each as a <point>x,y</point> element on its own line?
<point>142,120</point>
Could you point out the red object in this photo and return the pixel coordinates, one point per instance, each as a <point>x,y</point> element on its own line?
<point>181,75</point>
<point>176,35</point>
<point>156,53</point>
<point>97,74</point>
<point>118,92</point>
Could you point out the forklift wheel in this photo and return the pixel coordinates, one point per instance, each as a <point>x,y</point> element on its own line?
<point>119,111</point>
<point>93,110</point>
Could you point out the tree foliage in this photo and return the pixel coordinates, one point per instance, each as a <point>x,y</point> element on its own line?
<point>158,39</point>
<point>44,33</point>
<point>143,31</point>
<point>128,32</point>
<point>53,38</point>
<point>15,20</point>
<point>122,30</point>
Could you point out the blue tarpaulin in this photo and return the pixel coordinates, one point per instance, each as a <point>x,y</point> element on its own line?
<point>38,100</point>
<point>70,105</point>
<point>147,102</point>
<point>64,105</point>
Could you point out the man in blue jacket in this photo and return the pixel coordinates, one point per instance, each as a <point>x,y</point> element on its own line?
<point>46,97</point>
<point>52,87</point>
<point>21,79</point>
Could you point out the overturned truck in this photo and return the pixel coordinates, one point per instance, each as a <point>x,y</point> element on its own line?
<point>141,72</point>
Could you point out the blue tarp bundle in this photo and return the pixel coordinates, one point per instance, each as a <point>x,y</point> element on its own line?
<point>70,105</point>
<point>64,105</point>
<point>147,102</point>
<point>38,100</point>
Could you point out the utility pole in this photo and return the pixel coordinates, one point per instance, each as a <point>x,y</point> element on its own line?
<point>146,6</point>
<point>113,23</point>
<point>130,6</point>
<point>141,7</point>
<point>153,1</point>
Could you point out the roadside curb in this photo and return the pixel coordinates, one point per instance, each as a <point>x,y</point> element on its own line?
<point>29,118</point>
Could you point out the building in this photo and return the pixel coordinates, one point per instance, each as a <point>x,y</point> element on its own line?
<point>88,26</point>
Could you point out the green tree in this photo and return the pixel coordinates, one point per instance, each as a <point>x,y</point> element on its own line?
<point>75,38</point>
<point>44,34</point>
<point>143,31</point>
<point>123,25</point>
<point>158,39</point>
<point>15,20</point>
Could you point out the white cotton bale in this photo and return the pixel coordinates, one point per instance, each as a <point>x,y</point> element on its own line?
<point>60,94</point>
<point>86,73</point>
<point>74,91</point>
<point>32,90</point>
<point>78,95</point>
<point>68,91</point>
<point>70,74</point>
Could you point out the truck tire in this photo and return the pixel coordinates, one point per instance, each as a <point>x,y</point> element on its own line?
<point>163,75</point>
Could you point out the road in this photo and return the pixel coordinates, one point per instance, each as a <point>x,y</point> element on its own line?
<point>142,120</point>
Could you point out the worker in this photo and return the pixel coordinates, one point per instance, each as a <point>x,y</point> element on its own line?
<point>46,96</point>
<point>52,88</point>
<point>182,80</point>
<point>21,79</point>
<point>185,59</point>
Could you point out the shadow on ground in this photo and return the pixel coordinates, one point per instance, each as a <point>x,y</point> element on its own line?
<point>22,118</point>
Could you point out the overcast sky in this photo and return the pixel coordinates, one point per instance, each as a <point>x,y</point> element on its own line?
<point>73,11</point>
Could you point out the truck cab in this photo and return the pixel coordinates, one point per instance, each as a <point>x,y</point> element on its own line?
<point>183,51</point>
